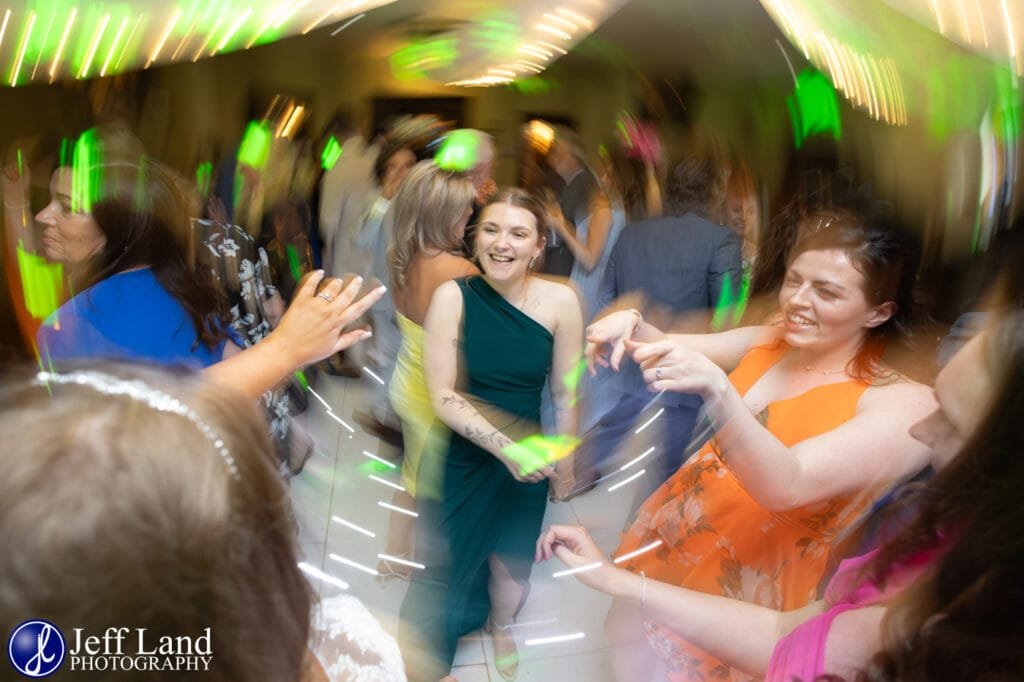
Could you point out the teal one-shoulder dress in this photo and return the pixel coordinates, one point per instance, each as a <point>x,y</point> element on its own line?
<point>504,363</point>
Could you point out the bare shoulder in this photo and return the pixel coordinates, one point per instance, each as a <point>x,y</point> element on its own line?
<point>902,395</point>
<point>555,292</point>
<point>447,294</point>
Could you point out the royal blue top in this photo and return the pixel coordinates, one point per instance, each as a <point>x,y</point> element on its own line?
<point>127,316</point>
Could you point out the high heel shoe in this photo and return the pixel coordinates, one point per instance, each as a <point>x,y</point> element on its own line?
<point>507,665</point>
<point>386,571</point>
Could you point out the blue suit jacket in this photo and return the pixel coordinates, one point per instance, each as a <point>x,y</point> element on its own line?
<point>679,264</point>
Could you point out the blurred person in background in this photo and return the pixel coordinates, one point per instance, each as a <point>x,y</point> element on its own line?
<point>430,213</point>
<point>665,267</point>
<point>126,239</point>
<point>567,158</point>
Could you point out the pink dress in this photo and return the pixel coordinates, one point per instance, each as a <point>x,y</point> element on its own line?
<point>800,655</point>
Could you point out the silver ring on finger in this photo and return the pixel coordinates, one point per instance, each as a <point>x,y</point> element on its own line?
<point>657,374</point>
<point>325,296</point>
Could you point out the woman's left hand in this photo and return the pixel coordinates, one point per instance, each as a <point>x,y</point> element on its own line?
<point>670,366</point>
<point>562,486</point>
<point>313,326</point>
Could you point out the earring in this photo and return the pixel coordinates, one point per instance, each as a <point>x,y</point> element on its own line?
<point>532,261</point>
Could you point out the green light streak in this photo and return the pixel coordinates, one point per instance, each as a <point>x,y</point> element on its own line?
<point>255,147</point>
<point>204,174</point>
<point>458,152</point>
<point>814,107</point>
<point>331,154</point>
<point>538,451</point>
<point>94,46</point>
<point>41,281</point>
<point>86,178</point>
<point>113,46</point>
<point>232,31</point>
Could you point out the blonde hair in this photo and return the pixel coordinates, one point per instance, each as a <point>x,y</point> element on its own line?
<point>428,207</point>
<point>120,513</point>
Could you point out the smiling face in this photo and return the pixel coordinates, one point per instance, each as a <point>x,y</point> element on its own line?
<point>507,239</point>
<point>823,302</point>
<point>963,390</point>
<point>68,237</point>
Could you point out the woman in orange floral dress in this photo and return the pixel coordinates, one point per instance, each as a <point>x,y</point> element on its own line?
<point>807,426</point>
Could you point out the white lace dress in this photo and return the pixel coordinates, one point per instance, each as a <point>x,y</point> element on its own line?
<point>351,645</point>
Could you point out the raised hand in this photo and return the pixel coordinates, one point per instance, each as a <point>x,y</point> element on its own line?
<point>668,365</point>
<point>606,339</point>
<point>312,327</point>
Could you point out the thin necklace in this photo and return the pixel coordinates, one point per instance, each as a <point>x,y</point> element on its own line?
<point>808,368</point>
<point>526,295</point>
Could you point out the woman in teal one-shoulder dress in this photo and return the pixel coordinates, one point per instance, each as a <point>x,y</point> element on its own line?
<point>490,342</point>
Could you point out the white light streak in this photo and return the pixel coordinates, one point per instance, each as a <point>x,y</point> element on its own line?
<point>320,575</point>
<point>555,640</point>
<point>550,46</point>
<point>24,45</point>
<point>347,24</point>
<point>380,459</point>
<point>553,31</point>
<point>163,39</point>
<point>636,459</point>
<point>373,376</point>
<point>536,51</point>
<point>124,50</point>
<point>358,529</point>
<point>354,564</point>
<point>340,421</point>
<point>648,422</point>
<point>318,21</point>
<point>113,46</point>
<point>561,20</point>
<point>628,480</point>
<point>387,483</point>
<point>397,560</point>
<point>7,17</point>
<point>63,42</point>
<point>381,503</point>
<point>322,401</point>
<point>637,552</point>
<point>578,18</point>
<point>232,31</point>
<point>531,623</point>
<point>579,569</point>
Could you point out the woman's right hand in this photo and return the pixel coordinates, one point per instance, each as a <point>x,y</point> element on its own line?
<point>575,548</point>
<point>606,339</point>
<point>312,326</point>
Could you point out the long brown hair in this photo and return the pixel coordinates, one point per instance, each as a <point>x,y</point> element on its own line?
<point>427,209</point>
<point>964,620</point>
<point>113,513</point>
<point>143,211</point>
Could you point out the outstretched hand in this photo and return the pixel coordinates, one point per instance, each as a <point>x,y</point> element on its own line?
<point>575,548</point>
<point>312,327</point>
<point>668,365</point>
<point>606,340</point>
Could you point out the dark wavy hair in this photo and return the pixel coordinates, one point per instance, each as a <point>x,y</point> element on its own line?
<point>964,620</point>
<point>694,185</point>
<point>888,260</point>
<point>143,211</point>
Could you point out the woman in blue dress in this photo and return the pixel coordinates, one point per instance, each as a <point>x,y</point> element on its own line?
<point>121,227</point>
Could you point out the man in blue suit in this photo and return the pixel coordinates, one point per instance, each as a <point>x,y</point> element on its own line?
<point>669,267</point>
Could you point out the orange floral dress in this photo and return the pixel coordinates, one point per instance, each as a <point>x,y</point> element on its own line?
<point>716,539</point>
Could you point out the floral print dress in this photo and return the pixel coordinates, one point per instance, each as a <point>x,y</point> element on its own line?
<point>715,538</point>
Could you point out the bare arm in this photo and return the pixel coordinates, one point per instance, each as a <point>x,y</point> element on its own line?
<point>440,367</point>
<point>310,330</point>
<point>871,450</point>
<point>742,635</point>
<point>564,377</point>
<point>598,226</point>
